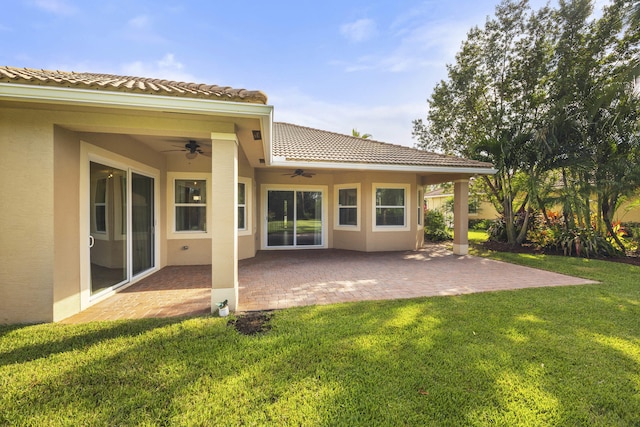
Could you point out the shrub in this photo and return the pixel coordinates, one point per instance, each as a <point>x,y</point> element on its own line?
<point>479,224</point>
<point>585,242</point>
<point>497,231</point>
<point>435,227</point>
<point>581,242</point>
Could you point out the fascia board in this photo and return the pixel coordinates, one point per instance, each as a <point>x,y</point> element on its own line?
<point>280,162</point>
<point>137,101</point>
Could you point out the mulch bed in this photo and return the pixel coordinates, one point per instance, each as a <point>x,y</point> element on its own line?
<point>252,323</point>
<point>633,259</point>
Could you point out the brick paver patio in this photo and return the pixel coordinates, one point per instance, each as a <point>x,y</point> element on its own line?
<point>281,279</point>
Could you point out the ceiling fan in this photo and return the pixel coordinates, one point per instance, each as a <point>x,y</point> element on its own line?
<point>192,149</point>
<point>300,172</point>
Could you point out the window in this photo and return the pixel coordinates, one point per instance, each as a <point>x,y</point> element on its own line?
<point>190,205</point>
<point>347,202</point>
<point>100,205</point>
<point>242,206</point>
<point>419,206</point>
<point>391,207</point>
<point>245,186</point>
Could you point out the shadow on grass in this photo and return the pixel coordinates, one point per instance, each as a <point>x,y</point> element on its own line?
<point>548,356</point>
<point>56,338</point>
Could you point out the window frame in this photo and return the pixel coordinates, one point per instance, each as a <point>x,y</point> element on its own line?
<point>420,211</point>
<point>336,198</point>
<point>248,206</point>
<point>172,177</point>
<point>407,206</point>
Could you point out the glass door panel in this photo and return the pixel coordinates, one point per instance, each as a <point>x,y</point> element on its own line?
<point>142,223</point>
<point>308,218</point>
<point>280,218</point>
<point>108,199</point>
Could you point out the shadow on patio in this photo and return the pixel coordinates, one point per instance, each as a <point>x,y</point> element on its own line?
<point>282,279</point>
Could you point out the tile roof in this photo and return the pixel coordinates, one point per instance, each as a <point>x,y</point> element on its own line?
<point>300,143</point>
<point>128,84</point>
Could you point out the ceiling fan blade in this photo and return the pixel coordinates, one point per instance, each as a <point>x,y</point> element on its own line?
<point>205,153</point>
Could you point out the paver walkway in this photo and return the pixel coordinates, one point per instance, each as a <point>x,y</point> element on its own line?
<point>281,279</point>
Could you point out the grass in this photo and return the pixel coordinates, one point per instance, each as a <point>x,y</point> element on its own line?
<point>566,356</point>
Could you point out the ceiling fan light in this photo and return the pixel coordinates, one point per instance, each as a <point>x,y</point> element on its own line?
<point>191,155</point>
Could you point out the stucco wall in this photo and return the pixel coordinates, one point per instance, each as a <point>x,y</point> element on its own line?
<point>40,216</point>
<point>66,298</point>
<point>26,217</point>
<point>364,239</point>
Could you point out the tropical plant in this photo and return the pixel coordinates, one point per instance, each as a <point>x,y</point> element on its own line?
<point>355,133</point>
<point>435,227</point>
<point>551,98</point>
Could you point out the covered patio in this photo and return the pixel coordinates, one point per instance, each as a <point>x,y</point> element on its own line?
<point>283,279</point>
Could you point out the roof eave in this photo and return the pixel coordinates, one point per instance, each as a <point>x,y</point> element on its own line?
<point>137,101</point>
<point>142,102</point>
<point>473,170</point>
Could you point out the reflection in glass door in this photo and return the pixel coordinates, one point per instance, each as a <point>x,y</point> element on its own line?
<point>119,252</point>
<point>142,223</point>
<point>294,218</point>
<point>108,252</point>
<point>308,218</point>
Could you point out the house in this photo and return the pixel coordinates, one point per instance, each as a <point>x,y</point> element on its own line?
<point>481,209</point>
<point>439,199</point>
<point>133,174</point>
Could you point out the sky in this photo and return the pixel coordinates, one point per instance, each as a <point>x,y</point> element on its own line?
<point>335,65</point>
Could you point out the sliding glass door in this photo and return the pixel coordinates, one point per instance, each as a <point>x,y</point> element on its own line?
<point>142,223</point>
<point>108,241</point>
<point>122,226</point>
<point>294,218</point>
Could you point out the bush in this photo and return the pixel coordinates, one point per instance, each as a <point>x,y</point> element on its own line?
<point>435,227</point>
<point>497,231</point>
<point>479,224</point>
<point>581,242</point>
<point>585,242</point>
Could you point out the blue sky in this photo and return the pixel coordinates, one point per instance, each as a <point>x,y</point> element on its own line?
<point>333,64</point>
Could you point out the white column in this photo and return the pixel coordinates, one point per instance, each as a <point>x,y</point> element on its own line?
<point>461,217</point>
<point>223,220</point>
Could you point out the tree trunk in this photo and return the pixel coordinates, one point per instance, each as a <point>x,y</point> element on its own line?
<point>607,223</point>
<point>509,222</point>
<point>525,225</point>
<point>543,209</point>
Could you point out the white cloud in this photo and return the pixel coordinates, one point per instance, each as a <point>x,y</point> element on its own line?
<point>141,29</point>
<point>427,45</point>
<point>387,123</point>
<point>359,31</point>
<point>166,68</point>
<point>140,22</point>
<point>58,7</point>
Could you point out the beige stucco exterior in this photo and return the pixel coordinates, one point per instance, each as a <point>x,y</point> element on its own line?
<point>47,214</point>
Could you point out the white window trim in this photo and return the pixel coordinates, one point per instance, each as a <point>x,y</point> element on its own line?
<point>420,211</point>
<point>248,206</point>
<point>171,197</point>
<point>91,153</point>
<point>336,199</point>
<point>407,207</point>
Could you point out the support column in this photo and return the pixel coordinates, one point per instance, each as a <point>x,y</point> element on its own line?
<point>461,217</point>
<point>223,220</point>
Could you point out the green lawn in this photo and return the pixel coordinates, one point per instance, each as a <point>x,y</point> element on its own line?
<point>565,356</point>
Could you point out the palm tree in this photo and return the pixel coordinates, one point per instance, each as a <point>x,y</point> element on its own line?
<point>355,133</point>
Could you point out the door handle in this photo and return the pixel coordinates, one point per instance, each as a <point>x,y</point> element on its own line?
<point>92,241</point>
